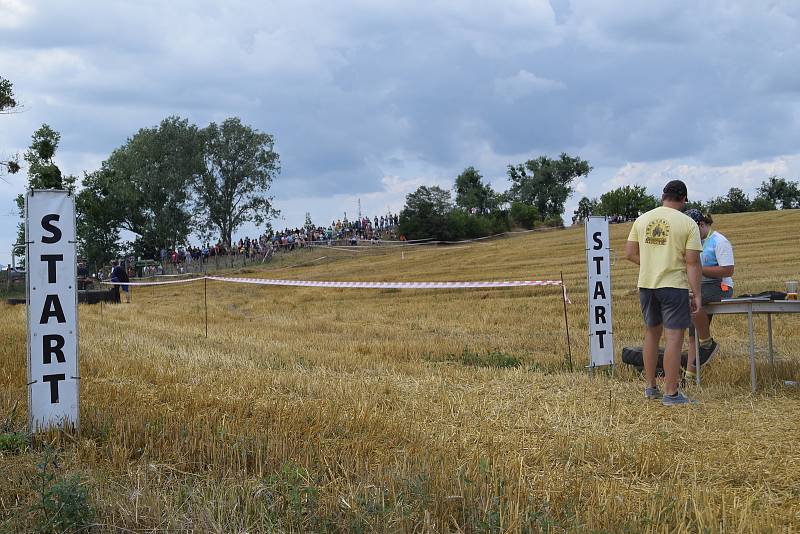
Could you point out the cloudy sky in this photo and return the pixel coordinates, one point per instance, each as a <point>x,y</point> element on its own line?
<point>370,99</point>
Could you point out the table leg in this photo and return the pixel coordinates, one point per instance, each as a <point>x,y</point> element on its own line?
<point>769,330</point>
<point>752,348</point>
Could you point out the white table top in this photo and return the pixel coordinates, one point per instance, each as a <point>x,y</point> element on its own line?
<point>757,305</point>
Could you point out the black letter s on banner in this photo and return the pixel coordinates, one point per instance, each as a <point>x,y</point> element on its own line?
<point>55,230</point>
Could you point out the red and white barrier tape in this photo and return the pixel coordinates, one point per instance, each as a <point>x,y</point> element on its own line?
<point>159,283</point>
<point>362,285</point>
<point>162,276</point>
<point>387,285</point>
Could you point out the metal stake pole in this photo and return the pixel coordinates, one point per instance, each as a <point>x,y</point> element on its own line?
<point>752,348</point>
<point>566,320</point>
<point>205,301</point>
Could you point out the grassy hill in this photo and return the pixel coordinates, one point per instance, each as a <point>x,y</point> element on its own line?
<point>416,410</point>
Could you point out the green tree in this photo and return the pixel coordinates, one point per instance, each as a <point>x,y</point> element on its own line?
<point>738,200</point>
<point>546,183</point>
<point>586,207</point>
<point>98,223</point>
<point>7,105</point>
<point>472,193</point>
<point>148,180</point>
<point>524,215</point>
<point>426,214</point>
<point>7,100</point>
<point>240,165</point>
<point>43,173</point>
<point>780,191</point>
<point>735,201</point>
<point>761,203</point>
<point>628,202</point>
<point>718,205</point>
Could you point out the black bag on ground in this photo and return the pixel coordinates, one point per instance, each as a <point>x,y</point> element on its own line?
<point>635,356</point>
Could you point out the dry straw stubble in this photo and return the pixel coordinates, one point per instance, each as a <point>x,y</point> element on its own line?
<point>326,409</point>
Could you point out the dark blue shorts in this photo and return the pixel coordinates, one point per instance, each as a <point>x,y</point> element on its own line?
<point>666,305</point>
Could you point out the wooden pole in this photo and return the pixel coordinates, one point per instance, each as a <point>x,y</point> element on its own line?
<point>566,320</point>
<point>205,301</point>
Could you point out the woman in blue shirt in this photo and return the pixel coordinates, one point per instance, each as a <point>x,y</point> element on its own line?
<point>717,284</point>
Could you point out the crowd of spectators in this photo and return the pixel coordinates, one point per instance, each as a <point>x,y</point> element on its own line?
<point>339,232</point>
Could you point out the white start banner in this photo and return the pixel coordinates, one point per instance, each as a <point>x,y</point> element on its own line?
<point>52,310</point>
<point>598,264</point>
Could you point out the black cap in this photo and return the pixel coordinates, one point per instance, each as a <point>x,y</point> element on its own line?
<point>677,189</point>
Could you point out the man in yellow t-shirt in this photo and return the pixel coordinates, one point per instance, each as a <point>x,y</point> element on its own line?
<point>665,244</point>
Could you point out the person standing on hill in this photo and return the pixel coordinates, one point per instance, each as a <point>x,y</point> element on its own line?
<point>717,264</point>
<point>665,244</point>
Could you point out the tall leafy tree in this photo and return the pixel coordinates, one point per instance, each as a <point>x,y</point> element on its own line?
<point>738,200</point>
<point>761,203</point>
<point>586,207</point>
<point>98,223</point>
<point>628,202</point>
<point>718,205</point>
<point>148,181</point>
<point>735,201</point>
<point>43,173</point>
<point>472,193</point>
<point>546,183</point>
<point>7,100</point>
<point>240,164</point>
<point>523,215</point>
<point>779,191</point>
<point>426,214</point>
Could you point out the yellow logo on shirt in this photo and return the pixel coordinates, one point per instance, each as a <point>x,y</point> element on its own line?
<point>657,232</point>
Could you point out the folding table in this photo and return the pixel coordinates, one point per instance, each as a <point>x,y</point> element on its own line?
<point>753,306</point>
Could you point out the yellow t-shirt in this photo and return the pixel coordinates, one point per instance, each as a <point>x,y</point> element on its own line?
<point>664,234</point>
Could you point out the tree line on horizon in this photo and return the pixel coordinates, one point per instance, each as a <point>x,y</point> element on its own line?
<point>628,202</point>
<point>537,196</point>
<point>539,190</point>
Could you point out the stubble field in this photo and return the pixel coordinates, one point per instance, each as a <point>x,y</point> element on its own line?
<point>354,410</point>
